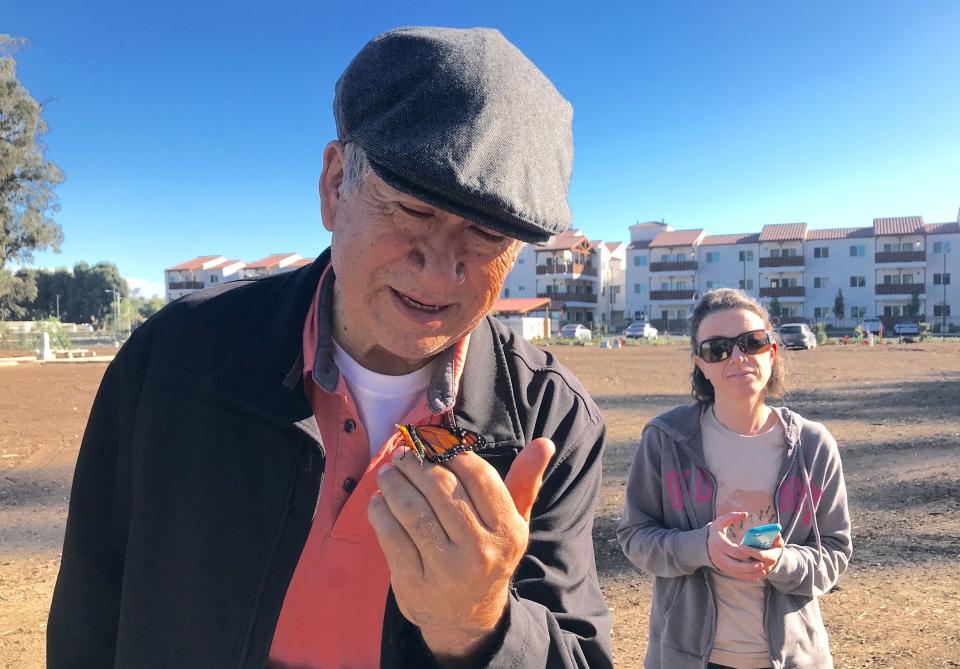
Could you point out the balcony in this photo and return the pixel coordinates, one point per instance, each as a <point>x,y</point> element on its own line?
<point>185,285</point>
<point>567,268</point>
<point>784,291</point>
<point>564,298</point>
<point>674,266</point>
<point>900,256</point>
<point>675,295</point>
<point>782,261</point>
<point>900,289</point>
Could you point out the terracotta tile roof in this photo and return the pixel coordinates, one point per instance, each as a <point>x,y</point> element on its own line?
<point>296,264</point>
<point>563,241</point>
<point>783,232</point>
<point>613,246</point>
<point>942,228</point>
<point>838,233</point>
<point>901,225</point>
<point>642,244</point>
<point>520,305</point>
<point>197,263</point>
<point>273,260</point>
<point>677,238</point>
<point>725,240</point>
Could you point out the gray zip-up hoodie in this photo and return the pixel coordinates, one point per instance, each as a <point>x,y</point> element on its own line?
<point>664,532</point>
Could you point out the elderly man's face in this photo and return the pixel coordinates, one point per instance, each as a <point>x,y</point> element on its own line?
<point>411,279</point>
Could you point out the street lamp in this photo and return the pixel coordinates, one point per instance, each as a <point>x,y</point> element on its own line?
<point>116,312</point>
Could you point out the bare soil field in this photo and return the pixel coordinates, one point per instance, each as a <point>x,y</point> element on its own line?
<point>893,410</point>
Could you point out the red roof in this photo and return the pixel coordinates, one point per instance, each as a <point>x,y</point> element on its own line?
<point>520,305</point>
<point>724,240</point>
<point>300,263</point>
<point>270,261</point>
<point>783,232</point>
<point>196,263</point>
<point>563,241</point>
<point>677,238</point>
<point>838,233</point>
<point>942,228</point>
<point>902,225</point>
<point>613,246</point>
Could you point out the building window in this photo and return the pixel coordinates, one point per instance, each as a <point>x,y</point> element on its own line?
<point>521,288</point>
<point>941,310</point>
<point>506,292</point>
<point>640,260</point>
<point>713,256</point>
<point>858,281</point>
<point>214,278</point>
<point>858,312</point>
<point>941,247</point>
<point>821,312</point>
<point>712,284</point>
<point>893,310</point>
<point>821,251</point>
<point>746,285</point>
<point>664,285</point>
<point>746,255</point>
<point>820,281</point>
<point>639,288</point>
<point>520,261</point>
<point>941,279</point>
<point>857,250</point>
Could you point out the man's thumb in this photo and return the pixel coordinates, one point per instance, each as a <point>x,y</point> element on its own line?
<point>526,474</point>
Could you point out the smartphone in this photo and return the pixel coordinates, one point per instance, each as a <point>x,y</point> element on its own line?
<point>761,536</point>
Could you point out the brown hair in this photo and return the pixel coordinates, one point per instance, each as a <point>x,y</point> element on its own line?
<point>722,299</point>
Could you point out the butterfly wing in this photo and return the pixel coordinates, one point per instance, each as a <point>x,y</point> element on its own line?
<point>439,443</point>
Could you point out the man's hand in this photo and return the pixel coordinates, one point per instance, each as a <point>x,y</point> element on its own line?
<point>730,558</point>
<point>452,536</point>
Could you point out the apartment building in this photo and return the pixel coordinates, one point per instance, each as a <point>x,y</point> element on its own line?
<point>583,279</point>
<point>199,273</point>
<point>205,271</point>
<point>896,268</point>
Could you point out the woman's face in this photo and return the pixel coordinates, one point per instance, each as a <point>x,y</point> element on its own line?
<point>741,375</point>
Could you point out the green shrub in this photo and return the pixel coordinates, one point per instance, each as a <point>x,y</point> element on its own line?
<point>820,330</point>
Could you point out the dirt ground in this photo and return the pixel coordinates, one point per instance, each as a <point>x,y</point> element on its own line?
<point>891,408</point>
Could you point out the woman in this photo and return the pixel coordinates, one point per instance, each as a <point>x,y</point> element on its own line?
<point>707,472</point>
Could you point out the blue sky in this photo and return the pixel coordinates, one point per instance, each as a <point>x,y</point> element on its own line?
<point>193,128</point>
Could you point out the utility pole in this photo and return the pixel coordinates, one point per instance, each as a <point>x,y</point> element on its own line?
<point>116,312</point>
<point>58,308</point>
<point>943,306</point>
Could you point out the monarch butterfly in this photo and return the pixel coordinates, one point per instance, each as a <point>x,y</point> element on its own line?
<point>439,443</point>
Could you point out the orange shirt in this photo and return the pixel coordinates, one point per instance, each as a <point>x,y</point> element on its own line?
<point>332,613</point>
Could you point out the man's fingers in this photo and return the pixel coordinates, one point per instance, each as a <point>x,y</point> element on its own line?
<point>526,474</point>
<point>398,548</point>
<point>411,509</point>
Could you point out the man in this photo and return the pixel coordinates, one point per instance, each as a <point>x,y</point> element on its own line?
<point>242,497</point>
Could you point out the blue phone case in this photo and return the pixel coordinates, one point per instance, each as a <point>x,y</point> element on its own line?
<point>761,536</point>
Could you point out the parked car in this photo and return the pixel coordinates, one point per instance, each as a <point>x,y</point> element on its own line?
<point>797,335</point>
<point>907,330</point>
<point>640,330</point>
<point>871,325</point>
<point>576,331</point>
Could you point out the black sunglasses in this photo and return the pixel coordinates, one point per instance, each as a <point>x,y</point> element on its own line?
<point>717,349</point>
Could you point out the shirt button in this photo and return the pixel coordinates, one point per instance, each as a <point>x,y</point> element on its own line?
<point>349,425</point>
<point>349,485</point>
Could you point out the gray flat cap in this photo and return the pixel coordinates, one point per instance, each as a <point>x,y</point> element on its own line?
<point>462,120</point>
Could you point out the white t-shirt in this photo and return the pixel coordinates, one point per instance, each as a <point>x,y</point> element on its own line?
<point>746,469</point>
<point>382,401</point>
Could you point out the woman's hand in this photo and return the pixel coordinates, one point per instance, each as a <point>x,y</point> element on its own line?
<point>768,557</point>
<point>733,559</point>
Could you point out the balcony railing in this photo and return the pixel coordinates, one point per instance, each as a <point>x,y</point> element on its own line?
<point>674,266</point>
<point>901,256</point>
<point>567,268</point>
<point>782,261</point>
<point>185,285</point>
<point>783,291</point>
<point>686,294</point>
<point>900,289</point>
<point>563,298</point>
